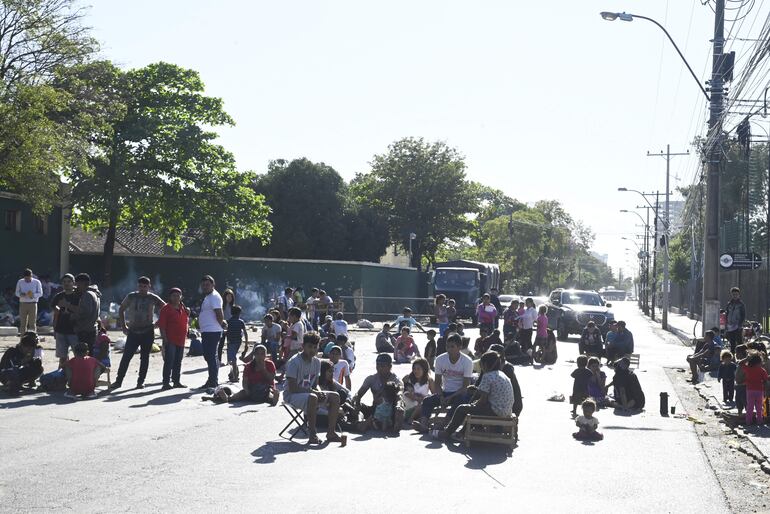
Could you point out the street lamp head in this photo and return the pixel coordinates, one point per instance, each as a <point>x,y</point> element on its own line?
<point>622,189</point>
<point>612,16</point>
<point>623,210</point>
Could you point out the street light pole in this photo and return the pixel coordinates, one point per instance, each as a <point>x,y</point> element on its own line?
<point>667,232</point>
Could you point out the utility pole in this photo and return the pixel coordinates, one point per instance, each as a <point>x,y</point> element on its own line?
<point>655,257</point>
<point>714,155</point>
<point>647,265</point>
<point>666,231</point>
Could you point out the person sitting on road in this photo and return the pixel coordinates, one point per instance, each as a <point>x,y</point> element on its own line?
<point>418,385</point>
<point>406,349</point>
<point>493,396</point>
<point>385,342</point>
<point>302,372</point>
<point>480,347</point>
<point>627,390</point>
<point>454,371</point>
<point>406,319</point>
<point>19,365</point>
<point>376,384</point>
<point>587,423</point>
<point>341,370</point>
<point>258,378</point>
<point>507,368</point>
<point>82,371</point>
<point>703,356</point>
<point>622,343</point>
<point>591,341</point>
<point>347,351</point>
<point>597,388</point>
<point>339,325</point>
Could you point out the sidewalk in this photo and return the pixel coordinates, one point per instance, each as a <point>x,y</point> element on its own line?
<point>711,391</point>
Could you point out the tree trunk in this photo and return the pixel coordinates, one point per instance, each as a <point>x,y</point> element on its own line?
<point>109,251</point>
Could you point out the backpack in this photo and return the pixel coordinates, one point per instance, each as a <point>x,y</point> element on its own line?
<point>196,347</point>
<point>53,381</point>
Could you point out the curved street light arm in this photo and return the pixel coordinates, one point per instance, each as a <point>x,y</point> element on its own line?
<point>677,51</point>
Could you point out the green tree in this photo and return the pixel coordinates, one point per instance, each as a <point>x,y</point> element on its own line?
<point>157,169</point>
<point>420,188</point>
<point>37,142</point>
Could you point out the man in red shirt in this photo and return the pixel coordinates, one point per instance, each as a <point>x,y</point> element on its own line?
<point>258,379</point>
<point>82,371</point>
<point>173,322</point>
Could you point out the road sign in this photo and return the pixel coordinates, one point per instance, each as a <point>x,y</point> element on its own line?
<point>740,261</point>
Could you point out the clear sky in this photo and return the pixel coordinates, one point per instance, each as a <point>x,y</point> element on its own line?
<point>545,99</point>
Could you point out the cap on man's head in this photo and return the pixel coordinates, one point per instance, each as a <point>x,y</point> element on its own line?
<point>328,318</point>
<point>27,272</point>
<point>384,358</point>
<point>497,348</point>
<point>174,290</point>
<point>83,277</point>
<point>407,309</point>
<point>591,324</point>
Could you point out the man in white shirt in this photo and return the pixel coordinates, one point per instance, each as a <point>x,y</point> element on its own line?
<point>211,322</point>
<point>28,290</point>
<point>454,371</point>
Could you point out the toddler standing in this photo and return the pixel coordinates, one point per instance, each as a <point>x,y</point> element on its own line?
<point>726,374</point>
<point>755,378</point>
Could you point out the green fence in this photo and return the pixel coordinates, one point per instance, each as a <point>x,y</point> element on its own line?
<point>256,281</point>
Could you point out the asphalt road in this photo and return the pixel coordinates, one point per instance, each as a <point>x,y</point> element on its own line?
<point>148,451</point>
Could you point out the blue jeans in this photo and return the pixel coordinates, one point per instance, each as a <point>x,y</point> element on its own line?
<point>172,363</point>
<point>434,400</point>
<point>143,342</point>
<point>210,341</point>
<point>442,329</point>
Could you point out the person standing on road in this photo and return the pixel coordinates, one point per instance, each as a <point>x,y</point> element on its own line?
<point>736,315</point>
<point>486,314</point>
<point>527,320</point>
<point>86,311</point>
<point>63,322</point>
<point>212,323</point>
<point>28,290</point>
<point>139,329</point>
<point>442,316</point>
<point>228,300</point>
<point>173,322</point>
<point>495,300</point>
<point>285,302</point>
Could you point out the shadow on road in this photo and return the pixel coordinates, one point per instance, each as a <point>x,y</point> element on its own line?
<point>165,400</point>
<point>122,394</point>
<point>267,453</point>
<point>193,371</point>
<point>616,427</point>
<point>38,399</point>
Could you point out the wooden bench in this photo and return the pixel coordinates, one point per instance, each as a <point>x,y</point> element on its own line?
<point>491,429</point>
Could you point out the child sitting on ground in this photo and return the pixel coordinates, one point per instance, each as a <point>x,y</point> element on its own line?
<point>430,348</point>
<point>406,349</point>
<point>341,371</point>
<point>339,325</point>
<point>581,377</point>
<point>587,423</point>
<point>347,351</point>
<point>726,374</point>
<point>597,389</point>
<point>480,346</point>
<point>384,413</point>
<point>236,334</point>
<point>82,371</point>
